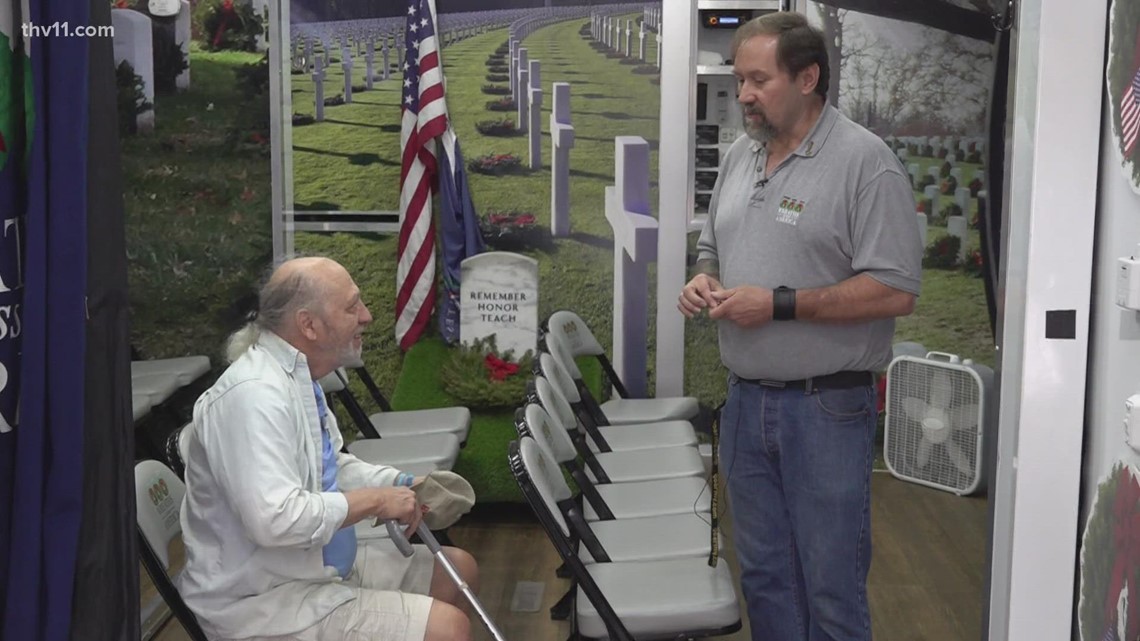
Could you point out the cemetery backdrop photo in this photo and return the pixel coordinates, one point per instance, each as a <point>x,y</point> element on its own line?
<point>537,128</point>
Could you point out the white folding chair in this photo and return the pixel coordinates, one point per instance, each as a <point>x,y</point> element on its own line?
<point>645,464</point>
<point>681,495</point>
<point>158,501</point>
<point>388,422</point>
<point>434,450</point>
<point>606,438</point>
<point>568,329</point>
<point>680,598</point>
<point>647,538</point>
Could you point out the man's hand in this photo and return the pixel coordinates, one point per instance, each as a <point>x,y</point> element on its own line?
<point>748,307</point>
<point>698,295</point>
<point>384,503</point>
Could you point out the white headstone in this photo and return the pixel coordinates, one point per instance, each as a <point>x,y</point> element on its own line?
<point>962,199</point>
<point>134,42</point>
<point>658,37</point>
<point>930,194</point>
<point>628,36</point>
<point>922,227</point>
<point>346,66</point>
<point>522,82</point>
<point>956,226</point>
<point>534,106</point>
<point>368,56</point>
<point>319,89</point>
<point>387,65</point>
<point>562,139</point>
<point>182,37</point>
<point>635,248</point>
<point>641,43</point>
<point>514,71</point>
<point>499,297</point>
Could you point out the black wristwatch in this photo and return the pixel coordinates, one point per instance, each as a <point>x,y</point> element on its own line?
<point>783,303</point>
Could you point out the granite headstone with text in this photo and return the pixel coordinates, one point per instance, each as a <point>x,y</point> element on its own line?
<point>499,297</point>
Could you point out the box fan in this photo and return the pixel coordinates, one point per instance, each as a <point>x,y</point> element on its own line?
<point>938,417</point>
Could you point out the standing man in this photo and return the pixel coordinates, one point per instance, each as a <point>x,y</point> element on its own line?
<point>272,501</point>
<point>810,251</point>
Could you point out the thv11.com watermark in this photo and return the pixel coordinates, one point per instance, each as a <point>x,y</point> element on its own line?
<point>65,30</point>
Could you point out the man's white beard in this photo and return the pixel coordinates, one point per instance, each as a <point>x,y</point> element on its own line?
<point>352,357</point>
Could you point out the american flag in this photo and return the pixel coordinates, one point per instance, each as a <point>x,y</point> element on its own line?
<point>424,120</point>
<point>1130,113</point>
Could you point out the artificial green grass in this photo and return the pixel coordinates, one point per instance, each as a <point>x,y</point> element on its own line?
<point>483,462</point>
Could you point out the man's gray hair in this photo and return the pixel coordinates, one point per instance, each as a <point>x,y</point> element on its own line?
<point>279,299</point>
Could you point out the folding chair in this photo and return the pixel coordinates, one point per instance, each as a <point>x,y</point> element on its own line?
<point>158,499</point>
<point>435,450</point>
<point>681,598</point>
<point>681,495</point>
<point>568,329</point>
<point>644,464</point>
<point>388,422</point>
<point>606,438</point>
<point>646,538</point>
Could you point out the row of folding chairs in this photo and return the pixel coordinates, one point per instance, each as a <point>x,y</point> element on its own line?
<point>637,539</point>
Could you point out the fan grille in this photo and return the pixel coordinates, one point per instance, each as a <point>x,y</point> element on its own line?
<point>915,379</point>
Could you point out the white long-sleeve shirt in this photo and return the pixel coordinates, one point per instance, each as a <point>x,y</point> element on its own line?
<point>255,520</point>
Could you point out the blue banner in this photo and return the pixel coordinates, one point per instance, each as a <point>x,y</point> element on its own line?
<point>42,454</point>
<point>459,232</point>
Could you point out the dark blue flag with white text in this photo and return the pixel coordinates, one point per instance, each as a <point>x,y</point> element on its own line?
<point>460,237</point>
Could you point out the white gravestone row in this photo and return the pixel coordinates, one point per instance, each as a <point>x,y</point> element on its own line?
<point>499,297</point>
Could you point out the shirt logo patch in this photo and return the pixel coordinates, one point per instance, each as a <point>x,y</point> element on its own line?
<point>790,210</point>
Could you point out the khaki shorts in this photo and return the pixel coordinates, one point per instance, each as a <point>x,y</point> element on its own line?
<point>391,598</point>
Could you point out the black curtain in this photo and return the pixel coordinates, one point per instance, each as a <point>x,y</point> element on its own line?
<point>106,596</point>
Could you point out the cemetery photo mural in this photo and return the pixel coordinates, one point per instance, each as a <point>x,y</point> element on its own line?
<point>926,92</point>
<point>535,128</point>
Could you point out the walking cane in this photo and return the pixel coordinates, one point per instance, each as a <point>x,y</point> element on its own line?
<point>405,548</point>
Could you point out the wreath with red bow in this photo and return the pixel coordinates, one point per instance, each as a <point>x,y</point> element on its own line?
<point>1110,560</point>
<point>479,376</point>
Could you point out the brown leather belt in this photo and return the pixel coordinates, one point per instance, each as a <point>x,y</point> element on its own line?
<point>838,380</point>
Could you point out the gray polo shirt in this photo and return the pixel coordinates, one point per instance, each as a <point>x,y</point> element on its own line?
<point>839,206</point>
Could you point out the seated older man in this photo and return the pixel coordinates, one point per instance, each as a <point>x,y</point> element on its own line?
<point>271,500</point>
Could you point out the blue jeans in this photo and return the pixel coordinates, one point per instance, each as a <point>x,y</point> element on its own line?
<point>798,470</point>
